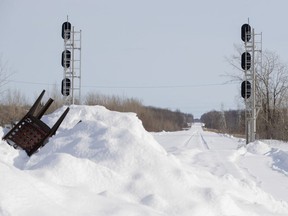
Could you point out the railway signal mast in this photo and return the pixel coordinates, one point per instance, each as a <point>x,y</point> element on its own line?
<point>71,62</point>
<point>252,44</point>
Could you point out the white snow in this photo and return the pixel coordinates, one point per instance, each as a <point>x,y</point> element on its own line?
<point>104,163</point>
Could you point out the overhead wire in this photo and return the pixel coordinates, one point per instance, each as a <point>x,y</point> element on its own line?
<point>131,87</point>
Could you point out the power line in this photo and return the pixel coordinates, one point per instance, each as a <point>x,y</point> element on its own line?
<point>30,83</point>
<point>132,87</point>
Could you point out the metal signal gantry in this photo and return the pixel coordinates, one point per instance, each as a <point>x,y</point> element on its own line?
<point>71,62</point>
<point>252,44</point>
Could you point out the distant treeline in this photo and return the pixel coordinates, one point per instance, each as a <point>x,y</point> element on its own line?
<point>275,126</point>
<point>232,121</point>
<point>154,119</point>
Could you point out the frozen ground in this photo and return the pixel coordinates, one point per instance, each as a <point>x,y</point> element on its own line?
<point>109,165</point>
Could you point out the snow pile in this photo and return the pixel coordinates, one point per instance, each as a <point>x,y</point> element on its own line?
<point>278,156</point>
<point>104,163</point>
<point>99,153</point>
<point>258,147</point>
<point>280,160</point>
<point>108,138</point>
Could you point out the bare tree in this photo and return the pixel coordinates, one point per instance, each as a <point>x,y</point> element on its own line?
<point>271,89</point>
<point>272,86</point>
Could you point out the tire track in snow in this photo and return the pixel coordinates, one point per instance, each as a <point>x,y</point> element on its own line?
<point>189,139</point>
<point>196,135</point>
<point>203,141</point>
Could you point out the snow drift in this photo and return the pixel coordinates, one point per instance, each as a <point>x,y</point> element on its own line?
<point>104,163</point>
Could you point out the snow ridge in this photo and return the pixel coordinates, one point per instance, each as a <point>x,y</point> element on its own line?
<point>102,162</point>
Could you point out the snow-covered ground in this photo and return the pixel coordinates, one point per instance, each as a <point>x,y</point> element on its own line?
<point>107,164</point>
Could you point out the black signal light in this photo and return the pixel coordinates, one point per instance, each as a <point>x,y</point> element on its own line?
<point>246,89</point>
<point>66,86</point>
<point>246,61</point>
<point>66,58</point>
<point>66,30</point>
<point>245,32</point>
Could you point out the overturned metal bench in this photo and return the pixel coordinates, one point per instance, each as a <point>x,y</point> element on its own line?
<point>30,133</point>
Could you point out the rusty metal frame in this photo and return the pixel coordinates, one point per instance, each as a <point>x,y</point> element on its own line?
<point>30,133</point>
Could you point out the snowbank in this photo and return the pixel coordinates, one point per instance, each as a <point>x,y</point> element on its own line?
<point>108,154</point>
<point>258,147</point>
<point>278,156</point>
<point>104,163</point>
<point>280,160</point>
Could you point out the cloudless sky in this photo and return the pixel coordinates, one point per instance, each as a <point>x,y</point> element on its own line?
<point>166,53</point>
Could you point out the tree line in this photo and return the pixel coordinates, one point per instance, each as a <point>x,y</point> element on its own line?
<point>231,121</point>
<point>153,118</point>
<point>15,106</point>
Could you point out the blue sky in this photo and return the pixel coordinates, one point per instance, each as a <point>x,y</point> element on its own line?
<point>166,53</point>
